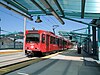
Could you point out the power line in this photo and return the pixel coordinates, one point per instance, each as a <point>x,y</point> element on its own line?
<point>47,22</point>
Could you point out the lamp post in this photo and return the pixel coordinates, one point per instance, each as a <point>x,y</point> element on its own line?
<point>25,19</point>
<point>54,27</point>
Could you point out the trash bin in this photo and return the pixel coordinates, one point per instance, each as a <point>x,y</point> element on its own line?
<point>79,50</point>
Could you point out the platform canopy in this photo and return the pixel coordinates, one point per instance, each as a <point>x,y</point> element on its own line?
<point>58,8</point>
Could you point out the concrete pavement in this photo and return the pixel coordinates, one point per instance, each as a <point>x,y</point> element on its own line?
<point>67,63</point>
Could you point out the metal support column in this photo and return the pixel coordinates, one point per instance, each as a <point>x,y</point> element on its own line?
<point>88,40</point>
<point>82,8</point>
<point>99,44</point>
<point>94,40</point>
<point>0,32</point>
<point>24,34</point>
<point>80,41</point>
<point>14,43</point>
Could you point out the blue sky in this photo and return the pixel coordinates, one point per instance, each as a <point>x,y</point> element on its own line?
<point>13,22</point>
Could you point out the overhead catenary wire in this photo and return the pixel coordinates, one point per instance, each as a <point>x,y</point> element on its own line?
<point>47,20</point>
<point>39,26</point>
<point>53,22</point>
<point>22,19</point>
<point>10,14</point>
<point>15,17</point>
<point>53,19</point>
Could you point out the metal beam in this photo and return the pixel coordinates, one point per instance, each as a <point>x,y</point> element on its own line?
<point>34,13</point>
<point>79,29</point>
<point>80,21</point>
<point>82,8</point>
<point>82,34</point>
<point>59,7</point>
<point>48,6</point>
<point>18,6</point>
<point>34,2</point>
<point>88,41</point>
<point>9,8</point>
<point>64,33</point>
<point>74,35</point>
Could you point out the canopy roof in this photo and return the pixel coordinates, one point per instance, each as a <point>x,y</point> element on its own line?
<point>58,8</point>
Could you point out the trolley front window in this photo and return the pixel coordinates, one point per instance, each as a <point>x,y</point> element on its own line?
<point>33,37</point>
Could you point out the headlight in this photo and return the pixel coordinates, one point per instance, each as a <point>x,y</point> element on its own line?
<point>32,46</point>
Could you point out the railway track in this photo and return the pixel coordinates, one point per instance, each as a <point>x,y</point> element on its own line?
<point>9,60</point>
<point>20,62</point>
<point>2,55</point>
<point>12,59</point>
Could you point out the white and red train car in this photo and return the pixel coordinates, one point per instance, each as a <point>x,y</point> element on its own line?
<point>40,41</point>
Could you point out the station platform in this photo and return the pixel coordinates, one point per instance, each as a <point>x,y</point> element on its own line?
<point>66,63</point>
<point>8,51</point>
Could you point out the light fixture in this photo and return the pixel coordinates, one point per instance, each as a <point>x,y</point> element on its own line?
<point>38,20</point>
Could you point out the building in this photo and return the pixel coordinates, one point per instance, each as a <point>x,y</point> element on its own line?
<point>10,43</point>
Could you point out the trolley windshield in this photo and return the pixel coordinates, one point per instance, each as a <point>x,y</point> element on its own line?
<point>34,37</point>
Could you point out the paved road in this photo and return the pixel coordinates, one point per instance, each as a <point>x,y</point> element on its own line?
<point>67,63</point>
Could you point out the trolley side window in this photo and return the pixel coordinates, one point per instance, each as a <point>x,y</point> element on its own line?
<point>32,37</point>
<point>60,42</point>
<point>56,41</point>
<point>43,38</point>
<point>64,43</point>
<point>51,40</point>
